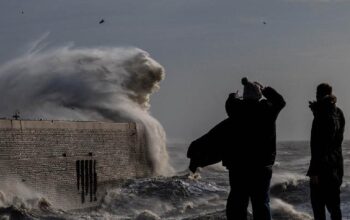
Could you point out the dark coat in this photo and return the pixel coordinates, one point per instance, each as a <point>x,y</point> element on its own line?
<point>247,136</point>
<point>254,141</point>
<point>326,139</point>
<point>208,149</point>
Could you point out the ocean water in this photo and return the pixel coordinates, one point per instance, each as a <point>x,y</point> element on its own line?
<point>183,196</point>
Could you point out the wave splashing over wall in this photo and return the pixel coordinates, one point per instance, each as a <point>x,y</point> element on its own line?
<point>109,84</point>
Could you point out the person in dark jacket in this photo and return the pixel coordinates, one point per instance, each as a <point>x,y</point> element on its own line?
<point>209,148</point>
<point>326,165</point>
<point>251,153</point>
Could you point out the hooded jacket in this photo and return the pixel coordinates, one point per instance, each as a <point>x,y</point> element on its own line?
<point>326,139</point>
<point>253,138</point>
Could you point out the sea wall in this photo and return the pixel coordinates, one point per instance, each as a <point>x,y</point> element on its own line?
<point>71,163</point>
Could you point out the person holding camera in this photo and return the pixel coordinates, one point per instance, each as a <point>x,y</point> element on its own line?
<point>251,154</point>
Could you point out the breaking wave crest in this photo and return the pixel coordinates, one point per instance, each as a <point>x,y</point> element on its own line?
<point>177,197</point>
<point>292,188</point>
<point>18,201</point>
<point>109,84</point>
<point>167,197</point>
<point>282,210</point>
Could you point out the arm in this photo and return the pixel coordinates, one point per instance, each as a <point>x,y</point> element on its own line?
<point>276,100</point>
<point>323,135</point>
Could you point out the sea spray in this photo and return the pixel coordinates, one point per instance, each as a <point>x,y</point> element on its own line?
<point>110,84</point>
<point>290,187</point>
<point>283,210</point>
<point>20,196</point>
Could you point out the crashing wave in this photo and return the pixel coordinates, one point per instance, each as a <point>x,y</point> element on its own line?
<point>108,84</point>
<point>291,188</point>
<point>171,196</point>
<point>283,210</point>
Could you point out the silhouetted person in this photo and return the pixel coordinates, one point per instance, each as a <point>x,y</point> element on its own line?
<point>246,145</point>
<point>251,154</point>
<point>326,165</point>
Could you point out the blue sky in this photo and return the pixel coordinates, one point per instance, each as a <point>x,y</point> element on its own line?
<point>205,46</point>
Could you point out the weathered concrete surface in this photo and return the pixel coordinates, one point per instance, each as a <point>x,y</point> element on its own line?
<point>61,158</point>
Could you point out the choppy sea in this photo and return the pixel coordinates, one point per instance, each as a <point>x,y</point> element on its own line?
<point>201,196</point>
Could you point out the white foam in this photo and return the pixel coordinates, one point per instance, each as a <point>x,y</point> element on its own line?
<point>287,211</point>
<point>110,84</point>
<point>287,178</point>
<point>16,194</point>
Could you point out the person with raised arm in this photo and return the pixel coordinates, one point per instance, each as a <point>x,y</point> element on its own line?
<point>326,165</point>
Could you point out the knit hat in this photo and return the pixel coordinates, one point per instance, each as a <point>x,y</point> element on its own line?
<point>251,90</point>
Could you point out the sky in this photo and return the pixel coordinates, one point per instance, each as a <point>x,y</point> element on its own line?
<point>206,47</point>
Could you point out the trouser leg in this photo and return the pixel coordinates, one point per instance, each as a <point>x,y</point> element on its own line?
<point>237,204</point>
<point>317,201</point>
<point>260,194</point>
<point>238,200</point>
<point>333,201</point>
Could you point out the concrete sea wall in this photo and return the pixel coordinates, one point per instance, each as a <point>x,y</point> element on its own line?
<point>71,163</point>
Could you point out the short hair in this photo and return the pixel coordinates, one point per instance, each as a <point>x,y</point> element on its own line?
<point>324,89</point>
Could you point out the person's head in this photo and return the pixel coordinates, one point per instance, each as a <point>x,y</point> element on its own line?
<point>323,90</point>
<point>251,90</point>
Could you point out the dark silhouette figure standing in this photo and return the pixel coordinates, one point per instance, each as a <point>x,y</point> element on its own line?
<point>245,142</point>
<point>251,154</point>
<point>326,165</point>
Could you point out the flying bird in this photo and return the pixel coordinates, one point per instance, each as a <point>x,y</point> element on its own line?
<point>102,21</point>
<point>264,22</point>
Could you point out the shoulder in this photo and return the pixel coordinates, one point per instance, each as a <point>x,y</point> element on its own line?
<point>339,111</point>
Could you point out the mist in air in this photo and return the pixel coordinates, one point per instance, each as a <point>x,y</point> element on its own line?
<point>99,84</point>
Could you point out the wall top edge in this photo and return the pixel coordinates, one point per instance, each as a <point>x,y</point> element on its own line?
<point>60,124</point>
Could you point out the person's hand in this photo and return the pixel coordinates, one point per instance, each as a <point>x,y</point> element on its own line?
<point>234,95</point>
<point>314,179</point>
<point>312,104</point>
<point>261,87</point>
